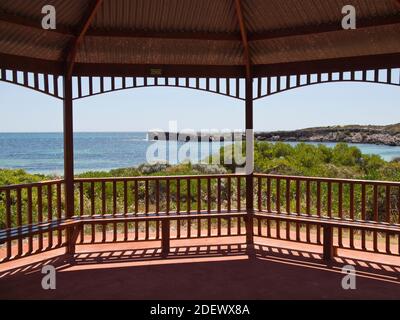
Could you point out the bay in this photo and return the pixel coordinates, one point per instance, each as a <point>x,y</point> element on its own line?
<point>43,152</point>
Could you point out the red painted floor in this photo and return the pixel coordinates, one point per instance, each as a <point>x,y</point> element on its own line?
<point>201,269</point>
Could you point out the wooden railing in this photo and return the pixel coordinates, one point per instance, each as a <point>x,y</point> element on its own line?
<point>152,197</point>
<point>28,205</point>
<point>32,217</point>
<point>375,202</point>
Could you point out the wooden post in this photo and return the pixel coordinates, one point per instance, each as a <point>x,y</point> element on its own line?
<point>165,237</point>
<point>328,243</point>
<point>249,165</point>
<point>68,158</point>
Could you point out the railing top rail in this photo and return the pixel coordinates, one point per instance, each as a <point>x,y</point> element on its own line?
<point>194,177</point>
<point>30,185</point>
<point>144,178</point>
<point>323,179</point>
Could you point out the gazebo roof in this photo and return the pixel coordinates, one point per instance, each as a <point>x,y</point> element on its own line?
<point>198,37</point>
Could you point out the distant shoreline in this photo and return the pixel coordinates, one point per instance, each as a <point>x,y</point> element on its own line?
<point>377,135</point>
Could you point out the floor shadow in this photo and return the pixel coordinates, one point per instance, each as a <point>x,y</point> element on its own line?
<point>201,272</point>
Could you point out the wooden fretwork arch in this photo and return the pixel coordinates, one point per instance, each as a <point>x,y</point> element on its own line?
<point>267,86</point>
<point>49,84</point>
<point>90,86</point>
<point>83,87</point>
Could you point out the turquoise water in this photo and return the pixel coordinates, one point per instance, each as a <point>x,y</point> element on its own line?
<point>43,152</point>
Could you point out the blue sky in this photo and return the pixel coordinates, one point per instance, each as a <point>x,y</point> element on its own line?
<point>24,110</point>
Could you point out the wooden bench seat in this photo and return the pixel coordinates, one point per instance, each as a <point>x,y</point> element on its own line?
<point>34,229</point>
<point>328,224</point>
<point>74,224</point>
<point>333,222</point>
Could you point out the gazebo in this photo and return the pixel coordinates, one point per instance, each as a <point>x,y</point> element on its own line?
<point>243,49</point>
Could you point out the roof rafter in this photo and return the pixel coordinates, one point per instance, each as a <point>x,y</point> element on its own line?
<point>82,29</point>
<point>245,42</point>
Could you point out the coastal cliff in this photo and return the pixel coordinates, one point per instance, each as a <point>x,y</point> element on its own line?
<point>385,135</point>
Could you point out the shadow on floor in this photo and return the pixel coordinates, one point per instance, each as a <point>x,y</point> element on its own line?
<point>201,272</point>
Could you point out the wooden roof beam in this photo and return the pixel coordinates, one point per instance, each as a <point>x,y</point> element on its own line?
<point>271,34</point>
<point>82,29</point>
<point>323,28</point>
<point>245,42</point>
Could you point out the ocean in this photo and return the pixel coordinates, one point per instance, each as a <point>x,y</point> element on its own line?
<point>43,152</point>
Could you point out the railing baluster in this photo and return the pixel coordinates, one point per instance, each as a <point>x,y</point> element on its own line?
<point>146,209</point>
<point>219,205</point>
<point>126,197</point>
<point>199,206</point>
<point>340,213</point>
<point>268,195</point>
<point>298,207</point>
<point>19,219</point>
<point>259,199</point>
<point>278,195</point>
<point>178,195</point>
<point>157,210</point>
<point>178,207</point>
<point>287,199</point>
<point>59,212</point>
<point>363,214</point>
<point>8,222</point>
<point>388,220</point>
<point>81,199</point>
<point>103,210</point>
<point>188,206</point>
<point>329,199</point>
<point>318,198</point>
<point>351,232</point>
<point>238,193</point>
<point>126,207</point>
<point>308,209</point>
<point>146,196</point>
<point>136,191</point>
<point>278,207</point>
<point>167,196</point>
<point>29,212</point>
<point>287,196</point>
<point>375,208</point>
<point>208,205</point>
<point>40,216</point>
<point>188,196</point>
<point>50,214</point>
<point>398,219</point>
<point>229,187</point>
<point>92,212</point>
<point>388,205</point>
<point>114,212</point>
